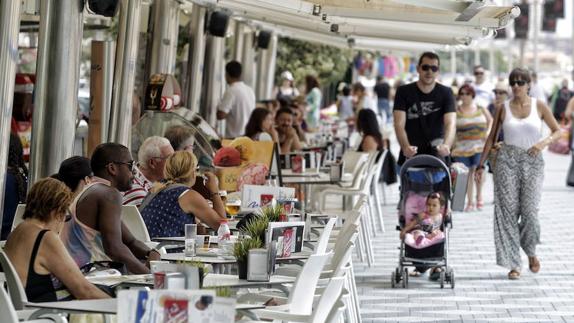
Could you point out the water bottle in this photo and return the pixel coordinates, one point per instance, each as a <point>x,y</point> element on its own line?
<point>223,233</point>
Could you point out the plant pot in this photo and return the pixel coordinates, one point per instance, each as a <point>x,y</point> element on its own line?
<point>242,268</point>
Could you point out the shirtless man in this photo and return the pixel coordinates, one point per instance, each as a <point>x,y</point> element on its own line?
<point>96,232</point>
<point>288,138</point>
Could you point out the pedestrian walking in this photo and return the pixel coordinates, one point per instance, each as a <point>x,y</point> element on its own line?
<point>518,173</point>
<point>472,124</point>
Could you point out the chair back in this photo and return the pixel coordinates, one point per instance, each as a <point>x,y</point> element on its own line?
<point>133,220</point>
<point>324,239</point>
<point>328,300</point>
<point>303,291</point>
<point>353,160</point>
<point>18,216</point>
<point>7,308</point>
<point>15,287</point>
<point>342,260</point>
<point>379,166</point>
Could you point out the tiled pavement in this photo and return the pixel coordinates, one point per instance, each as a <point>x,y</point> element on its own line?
<point>482,292</point>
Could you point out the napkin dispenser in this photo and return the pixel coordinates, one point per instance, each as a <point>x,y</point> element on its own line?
<point>336,171</point>
<point>261,263</point>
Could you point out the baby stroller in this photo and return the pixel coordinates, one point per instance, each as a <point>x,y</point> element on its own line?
<point>420,176</point>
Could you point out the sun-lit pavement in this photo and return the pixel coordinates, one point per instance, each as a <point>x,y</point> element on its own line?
<point>482,291</point>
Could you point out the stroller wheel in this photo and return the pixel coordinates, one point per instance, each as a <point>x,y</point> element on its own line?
<point>442,278</point>
<point>406,278</point>
<point>451,278</point>
<point>393,279</point>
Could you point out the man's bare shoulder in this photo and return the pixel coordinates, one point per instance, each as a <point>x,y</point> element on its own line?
<point>104,193</point>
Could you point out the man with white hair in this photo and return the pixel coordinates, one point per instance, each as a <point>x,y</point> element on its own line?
<point>150,169</point>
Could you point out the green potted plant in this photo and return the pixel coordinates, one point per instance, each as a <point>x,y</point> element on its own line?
<point>241,251</point>
<point>272,213</point>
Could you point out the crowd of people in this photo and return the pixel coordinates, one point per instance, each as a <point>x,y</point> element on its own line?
<point>73,219</point>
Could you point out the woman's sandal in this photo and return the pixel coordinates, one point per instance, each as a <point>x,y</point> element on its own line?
<point>479,205</point>
<point>514,274</point>
<point>534,264</point>
<point>469,207</point>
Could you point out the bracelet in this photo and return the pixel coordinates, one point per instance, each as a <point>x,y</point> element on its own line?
<point>480,167</point>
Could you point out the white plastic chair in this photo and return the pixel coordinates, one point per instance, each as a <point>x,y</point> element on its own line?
<point>301,295</point>
<point>319,314</point>
<point>18,216</point>
<point>15,287</point>
<point>133,220</point>
<point>9,314</point>
<point>364,188</point>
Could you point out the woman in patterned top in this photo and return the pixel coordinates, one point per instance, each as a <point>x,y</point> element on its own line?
<point>472,125</point>
<point>174,204</point>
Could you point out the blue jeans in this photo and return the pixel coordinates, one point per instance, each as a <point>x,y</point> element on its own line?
<point>385,109</point>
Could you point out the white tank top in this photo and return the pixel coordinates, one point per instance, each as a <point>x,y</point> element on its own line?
<point>523,132</point>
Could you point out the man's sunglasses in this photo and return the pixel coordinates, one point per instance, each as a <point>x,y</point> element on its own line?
<point>130,164</point>
<point>517,82</point>
<point>427,67</point>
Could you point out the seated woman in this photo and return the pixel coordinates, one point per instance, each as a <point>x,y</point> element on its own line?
<point>173,204</point>
<point>368,127</point>
<point>76,173</point>
<point>260,126</point>
<point>41,260</point>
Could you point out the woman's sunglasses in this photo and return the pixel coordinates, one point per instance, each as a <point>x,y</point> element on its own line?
<point>517,82</point>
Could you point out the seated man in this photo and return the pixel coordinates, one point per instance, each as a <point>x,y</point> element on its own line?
<point>288,138</point>
<point>96,232</point>
<point>151,165</point>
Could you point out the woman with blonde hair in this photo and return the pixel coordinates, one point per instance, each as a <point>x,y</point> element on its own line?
<point>173,204</point>
<point>41,260</point>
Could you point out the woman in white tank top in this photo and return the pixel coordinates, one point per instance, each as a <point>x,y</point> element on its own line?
<point>518,174</point>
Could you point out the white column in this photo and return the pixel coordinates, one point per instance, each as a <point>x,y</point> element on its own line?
<point>536,31</point>
<point>9,27</point>
<point>124,72</point>
<point>56,90</point>
<point>164,36</point>
<point>196,58</point>
<point>248,58</point>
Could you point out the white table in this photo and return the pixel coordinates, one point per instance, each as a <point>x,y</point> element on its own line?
<point>100,306</point>
<point>233,281</point>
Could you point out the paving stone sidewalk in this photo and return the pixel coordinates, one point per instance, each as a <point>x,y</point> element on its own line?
<point>482,291</point>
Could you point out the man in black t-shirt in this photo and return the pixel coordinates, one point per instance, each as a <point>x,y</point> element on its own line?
<point>424,113</point>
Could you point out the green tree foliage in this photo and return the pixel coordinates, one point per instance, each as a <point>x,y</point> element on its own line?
<point>301,58</point>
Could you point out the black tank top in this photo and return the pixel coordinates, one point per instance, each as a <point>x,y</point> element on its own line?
<point>39,288</point>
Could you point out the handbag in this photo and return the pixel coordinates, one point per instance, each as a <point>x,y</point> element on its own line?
<point>493,152</point>
<point>562,145</point>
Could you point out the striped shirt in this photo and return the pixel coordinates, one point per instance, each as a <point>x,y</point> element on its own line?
<point>140,188</point>
<point>470,133</point>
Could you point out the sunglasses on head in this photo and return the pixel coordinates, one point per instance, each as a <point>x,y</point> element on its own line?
<point>427,67</point>
<point>498,92</point>
<point>517,82</point>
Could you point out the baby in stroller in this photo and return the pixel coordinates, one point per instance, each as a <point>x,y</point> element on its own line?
<point>425,229</point>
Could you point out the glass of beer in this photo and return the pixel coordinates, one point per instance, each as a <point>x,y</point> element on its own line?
<point>232,207</point>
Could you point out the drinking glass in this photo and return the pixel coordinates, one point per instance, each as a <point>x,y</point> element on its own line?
<point>190,235</point>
